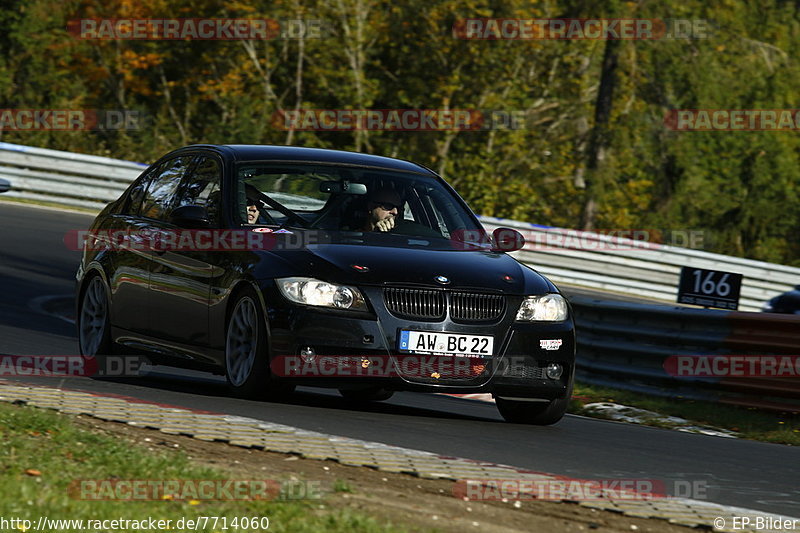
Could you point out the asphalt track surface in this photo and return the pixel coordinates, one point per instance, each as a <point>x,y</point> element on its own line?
<point>35,265</point>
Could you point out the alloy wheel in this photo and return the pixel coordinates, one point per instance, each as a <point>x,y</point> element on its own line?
<point>241,344</point>
<point>93,318</point>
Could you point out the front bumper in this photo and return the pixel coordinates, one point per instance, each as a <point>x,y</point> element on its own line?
<point>514,369</point>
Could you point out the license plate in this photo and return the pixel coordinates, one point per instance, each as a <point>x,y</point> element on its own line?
<point>445,343</point>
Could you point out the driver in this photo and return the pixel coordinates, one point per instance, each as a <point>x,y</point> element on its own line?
<point>383,208</point>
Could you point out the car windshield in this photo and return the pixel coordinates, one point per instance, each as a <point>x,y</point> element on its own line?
<point>340,199</point>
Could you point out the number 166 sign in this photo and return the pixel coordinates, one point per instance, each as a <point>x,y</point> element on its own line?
<point>709,288</point>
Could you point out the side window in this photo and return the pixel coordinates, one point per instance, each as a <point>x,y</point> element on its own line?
<point>159,196</point>
<point>203,188</point>
<point>138,191</point>
<point>408,213</point>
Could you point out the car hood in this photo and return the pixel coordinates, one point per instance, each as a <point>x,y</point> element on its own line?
<point>380,265</point>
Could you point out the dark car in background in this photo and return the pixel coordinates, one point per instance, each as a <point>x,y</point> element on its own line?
<point>788,302</point>
<point>257,262</point>
<point>4,185</point>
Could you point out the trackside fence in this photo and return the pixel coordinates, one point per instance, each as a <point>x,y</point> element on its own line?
<point>620,344</point>
<point>626,345</point>
<point>65,178</point>
<point>626,266</point>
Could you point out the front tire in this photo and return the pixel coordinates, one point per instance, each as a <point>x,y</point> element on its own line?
<point>246,351</point>
<point>534,413</point>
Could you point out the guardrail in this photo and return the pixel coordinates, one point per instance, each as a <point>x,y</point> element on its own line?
<point>636,267</point>
<point>65,178</point>
<point>625,345</point>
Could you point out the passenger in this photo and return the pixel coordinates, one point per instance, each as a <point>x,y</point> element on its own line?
<point>252,211</point>
<point>256,207</point>
<point>383,208</point>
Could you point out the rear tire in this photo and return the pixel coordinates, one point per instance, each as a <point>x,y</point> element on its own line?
<point>93,321</point>
<point>375,394</point>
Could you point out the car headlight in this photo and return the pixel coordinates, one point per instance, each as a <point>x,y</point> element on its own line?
<point>544,308</point>
<point>310,291</point>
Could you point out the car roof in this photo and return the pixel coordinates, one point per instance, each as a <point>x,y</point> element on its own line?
<point>258,152</point>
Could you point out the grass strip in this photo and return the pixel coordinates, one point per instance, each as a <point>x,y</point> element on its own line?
<point>750,423</point>
<point>43,454</point>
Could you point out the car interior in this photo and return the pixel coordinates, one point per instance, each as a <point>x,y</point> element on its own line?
<point>331,201</point>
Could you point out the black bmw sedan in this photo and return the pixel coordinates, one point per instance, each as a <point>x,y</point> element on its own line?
<point>279,266</point>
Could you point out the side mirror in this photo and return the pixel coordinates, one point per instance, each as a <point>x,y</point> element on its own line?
<point>190,216</point>
<point>507,240</point>
<point>4,185</point>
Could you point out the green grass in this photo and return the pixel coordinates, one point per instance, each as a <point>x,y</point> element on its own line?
<point>342,486</point>
<point>750,423</point>
<point>43,452</point>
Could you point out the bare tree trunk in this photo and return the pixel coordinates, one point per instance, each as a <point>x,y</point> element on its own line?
<point>579,178</point>
<point>265,72</point>
<point>171,108</point>
<point>298,85</point>
<point>443,151</point>
<point>600,139</point>
<point>355,50</point>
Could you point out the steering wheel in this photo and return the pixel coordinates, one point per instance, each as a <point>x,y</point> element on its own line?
<point>263,198</point>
